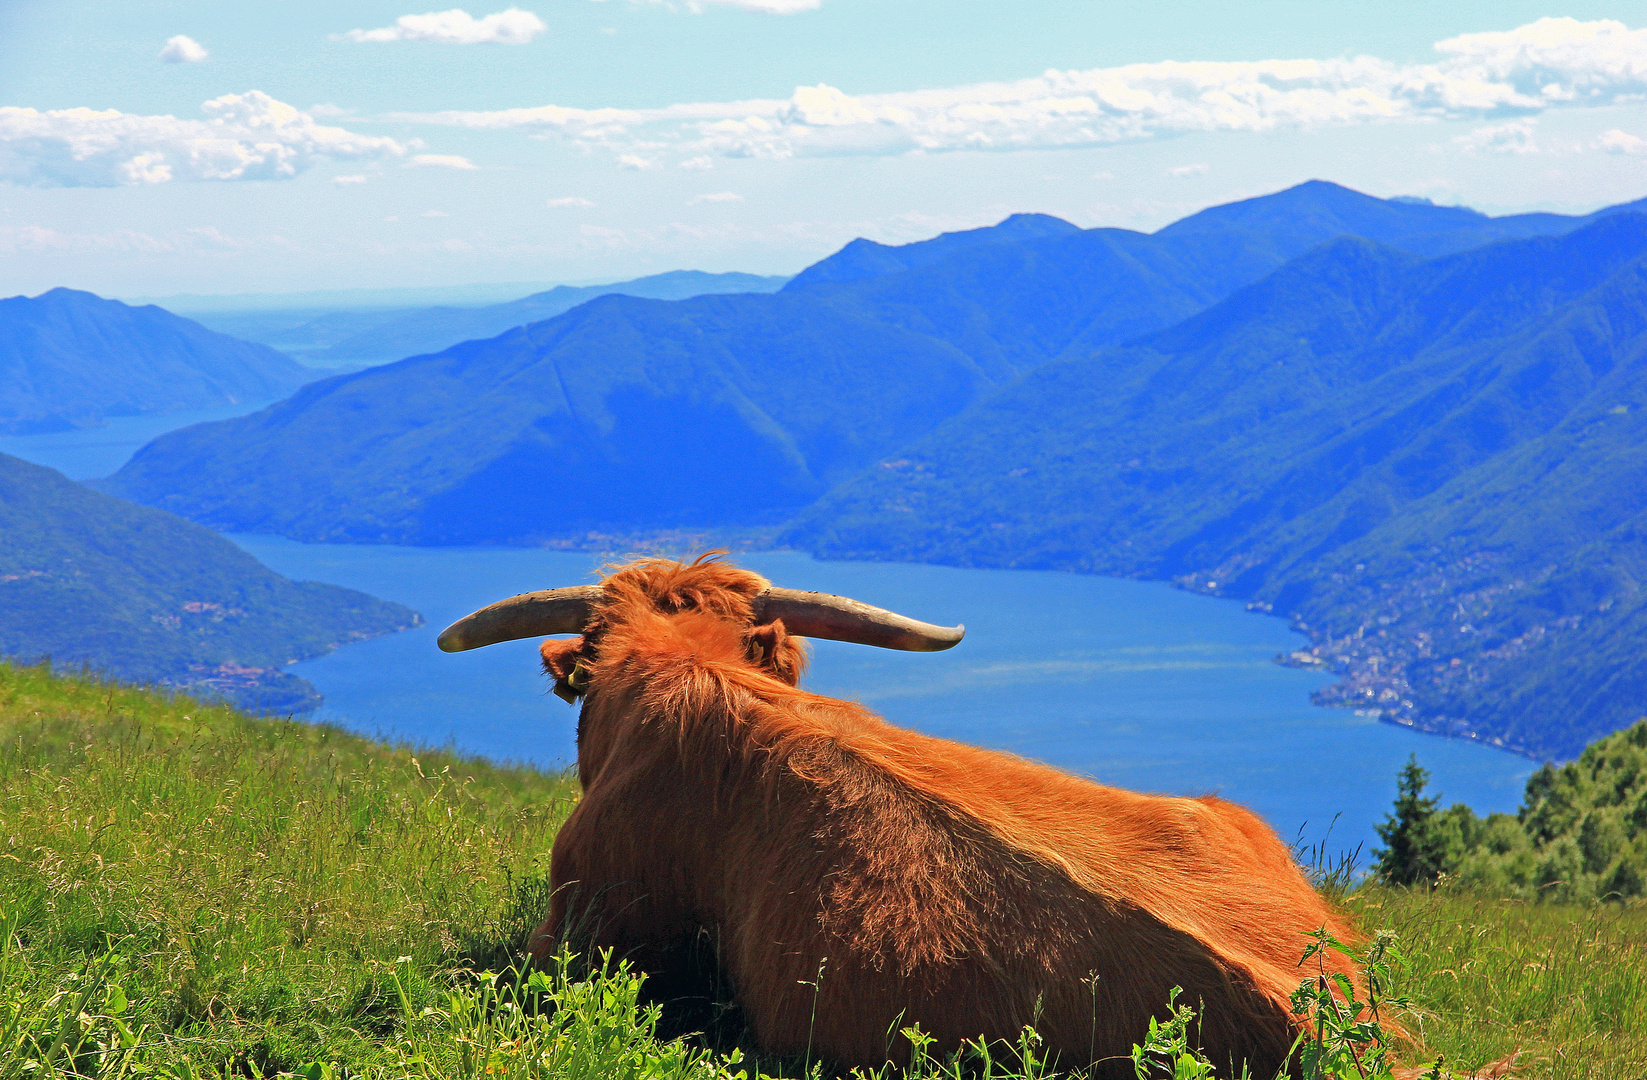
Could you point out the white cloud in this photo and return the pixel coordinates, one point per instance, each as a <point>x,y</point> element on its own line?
<point>436,213</point>
<point>1198,169</point>
<point>183,49</point>
<point>346,181</point>
<point>717,197</point>
<point>248,136</point>
<point>1515,137</point>
<point>571,201</point>
<point>700,163</point>
<point>444,161</point>
<point>458,27</point>
<point>1551,63</point>
<point>1621,142</point>
<point>636,163</point>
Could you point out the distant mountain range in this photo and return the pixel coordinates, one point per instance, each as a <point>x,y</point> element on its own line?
<point>1434,465</point>
<point>356,338</point>
<point>633,415</point>
<point>139,594</point>
<point>70,359</point>
<point>1407,426</point>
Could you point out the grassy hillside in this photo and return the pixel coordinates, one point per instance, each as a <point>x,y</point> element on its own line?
<point>1433,466</point>
<point>86,578</point>
<point>261,880</point>
<point>1566,984</point>
<point>251,897</point>
<point>70,359</point>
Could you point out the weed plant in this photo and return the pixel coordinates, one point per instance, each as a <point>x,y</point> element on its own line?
<point>186,892</point>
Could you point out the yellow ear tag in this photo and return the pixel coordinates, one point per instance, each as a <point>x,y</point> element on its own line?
<point>574,686</point>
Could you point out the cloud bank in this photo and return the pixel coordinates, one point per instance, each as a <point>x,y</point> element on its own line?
<point>1508,75</point>
<point>458,27</point>
<point>248,136</point>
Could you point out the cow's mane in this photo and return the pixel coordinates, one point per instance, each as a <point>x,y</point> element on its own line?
<point>677,636</point>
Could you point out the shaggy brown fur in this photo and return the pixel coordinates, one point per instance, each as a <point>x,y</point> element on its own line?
<point>966,890</point>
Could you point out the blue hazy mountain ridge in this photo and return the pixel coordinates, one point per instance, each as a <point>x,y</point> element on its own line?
<point>69,359</point>
<point>1435,466</point>
<point>86,578</point>
<point>633,416</point>
<point>863,259</point>
<point>1318,208</point>
<point>427,330</point>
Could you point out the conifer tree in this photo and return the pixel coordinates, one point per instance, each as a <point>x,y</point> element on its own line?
<point>1417,848</point>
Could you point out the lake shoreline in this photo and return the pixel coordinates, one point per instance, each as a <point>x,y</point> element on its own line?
<point>1133,684</point>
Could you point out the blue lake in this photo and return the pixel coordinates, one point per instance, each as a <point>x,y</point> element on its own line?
<point>1135,684</point>
<point>87,453</point>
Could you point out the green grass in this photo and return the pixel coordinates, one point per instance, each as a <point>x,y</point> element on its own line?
<point>261,880</point>
<point>1565,983</point>
<point>188,892</point>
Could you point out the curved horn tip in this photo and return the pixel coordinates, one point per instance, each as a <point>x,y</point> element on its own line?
<point>451,640</point>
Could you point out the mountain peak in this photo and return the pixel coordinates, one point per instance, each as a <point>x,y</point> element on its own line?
<point>1028,227</point>
<point>63,293</point>
<point>863,259</point>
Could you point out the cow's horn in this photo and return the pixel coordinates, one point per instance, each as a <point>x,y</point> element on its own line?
<point>840,618</point>
<point>533,614</point>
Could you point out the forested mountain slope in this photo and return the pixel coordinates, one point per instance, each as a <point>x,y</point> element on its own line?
<point>142,595</point>
<point>70,359</point>
<point>628,415</point>
<point>620,414</point>
<point>1435,466</point>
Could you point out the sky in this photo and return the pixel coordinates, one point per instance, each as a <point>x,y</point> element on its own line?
<point>160,147</point>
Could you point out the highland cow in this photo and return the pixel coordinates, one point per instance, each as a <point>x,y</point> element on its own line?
<point>848,879</point>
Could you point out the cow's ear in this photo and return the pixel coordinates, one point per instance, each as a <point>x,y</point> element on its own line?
<point>563,661</point>
<point>774,651</point>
